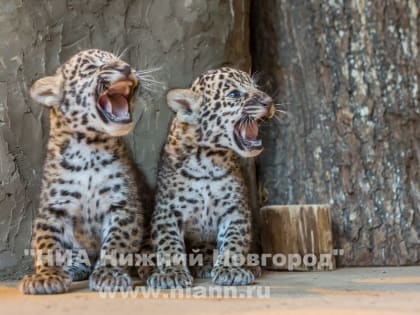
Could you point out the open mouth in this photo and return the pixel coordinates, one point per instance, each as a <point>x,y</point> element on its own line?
<point>246,134</point>
<point>247,129</point>
<point>114,103</point>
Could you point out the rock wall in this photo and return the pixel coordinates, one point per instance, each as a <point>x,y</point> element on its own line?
<point>348,72</point>
<point>184,38</point>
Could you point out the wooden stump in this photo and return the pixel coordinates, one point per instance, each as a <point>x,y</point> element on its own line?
<point>297,237</point>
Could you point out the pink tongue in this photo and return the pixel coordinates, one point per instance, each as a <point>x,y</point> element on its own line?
<point>119,105</point>
<point>251,131</point>
<point>114,104</point>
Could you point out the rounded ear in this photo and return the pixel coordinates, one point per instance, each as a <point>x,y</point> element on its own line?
<point>48,90</point>
<point>185,103</point>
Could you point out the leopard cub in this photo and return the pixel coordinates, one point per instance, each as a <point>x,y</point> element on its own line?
<point>201,201</point>
<point>89,197</point>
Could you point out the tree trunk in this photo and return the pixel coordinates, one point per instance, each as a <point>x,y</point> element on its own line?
<point>348,71</point>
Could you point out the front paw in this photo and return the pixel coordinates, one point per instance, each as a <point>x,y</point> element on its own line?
<point>170,279</point>
<point>110,279</point>
<point>46,282</point>
<point>144,272</point>
<point>231,275</point>
<point>256,271</point>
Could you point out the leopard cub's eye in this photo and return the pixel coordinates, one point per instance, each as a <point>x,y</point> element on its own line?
<point>235,94</point>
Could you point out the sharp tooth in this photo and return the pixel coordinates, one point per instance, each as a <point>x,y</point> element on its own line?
<point>243,134</point>
<point>108,107</point>
<point>254,143</point>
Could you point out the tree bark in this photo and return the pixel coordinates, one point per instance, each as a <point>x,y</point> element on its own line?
<point>348,71</point>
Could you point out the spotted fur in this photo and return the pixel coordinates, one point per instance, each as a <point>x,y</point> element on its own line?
<point>89,197</point>
<point>201,201</point>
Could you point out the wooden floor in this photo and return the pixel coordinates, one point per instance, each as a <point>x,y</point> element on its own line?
<point>344,291</point>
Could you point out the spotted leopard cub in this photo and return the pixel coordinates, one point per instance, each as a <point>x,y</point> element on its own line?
<point>201,201</point>
<point>89,200</point>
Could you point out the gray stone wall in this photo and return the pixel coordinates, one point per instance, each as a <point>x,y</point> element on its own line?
<point>184,38</point>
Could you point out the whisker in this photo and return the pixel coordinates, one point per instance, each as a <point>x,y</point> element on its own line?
<point>255,77</point>
<point>282,105</point>
<point>113,51</point>
<point>148,81</point>
<point>116,50</point>
<point>124,51</point>
<point>149,70</point>
<point>153,83</point>
<point>281,111</point>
